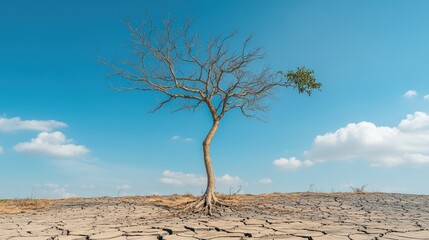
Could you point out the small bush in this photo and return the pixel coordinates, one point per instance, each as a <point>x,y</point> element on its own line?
<point>360,189</point>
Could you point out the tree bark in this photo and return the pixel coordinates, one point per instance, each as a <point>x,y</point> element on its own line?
<point>208,201</point>
<point>209,194</point>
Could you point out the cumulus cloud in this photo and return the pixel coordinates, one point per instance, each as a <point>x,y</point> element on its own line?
<point>426,97</point>
<point>380,145</point>
<point>229,180</point>
<point>410,94</point>
<point>190,179</point>
<point>265,181</point>
<point>53,144</point>
<point>182,179</point>
<point>14,124</point>
<point>291,163</point>
<point>417,122</point>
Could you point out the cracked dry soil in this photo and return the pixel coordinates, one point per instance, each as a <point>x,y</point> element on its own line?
<point>271,216</point>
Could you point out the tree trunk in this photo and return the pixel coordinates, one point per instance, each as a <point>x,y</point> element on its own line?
<point>209,200</point>
<point>209,195</point>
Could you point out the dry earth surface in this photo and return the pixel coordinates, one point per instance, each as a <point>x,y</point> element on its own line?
<point>271,216</point>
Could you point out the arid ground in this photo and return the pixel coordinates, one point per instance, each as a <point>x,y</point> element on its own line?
<point>270,216</point>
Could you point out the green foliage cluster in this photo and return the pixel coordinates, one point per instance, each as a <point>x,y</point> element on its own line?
<point>302,79</point>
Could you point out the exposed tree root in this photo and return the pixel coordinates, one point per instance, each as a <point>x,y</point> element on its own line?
<point>207,204</point>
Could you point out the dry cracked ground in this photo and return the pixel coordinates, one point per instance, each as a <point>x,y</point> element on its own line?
<point>272,216</point>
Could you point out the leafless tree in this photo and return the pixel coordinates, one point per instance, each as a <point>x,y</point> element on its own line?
<point>171,61</point>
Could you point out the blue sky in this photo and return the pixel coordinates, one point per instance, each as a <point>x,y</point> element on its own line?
<point>65,132</point>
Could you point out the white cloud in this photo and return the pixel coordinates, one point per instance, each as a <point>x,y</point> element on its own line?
<point>175,137</point>
<point>229,180</point>
<point>52,144</point>
<point>14,124</point>
<point>381,146</point>
<point>179,138</point>
<point>182,179</point>
<point>410,94</point>
<point>417,122</point>
<point>52,190</point>
<point>291,163</point>
<point>190,179</point>
<point>426,97</point>
<point>265,181</point>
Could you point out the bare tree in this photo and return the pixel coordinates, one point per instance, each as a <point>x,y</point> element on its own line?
<point>171,61</point>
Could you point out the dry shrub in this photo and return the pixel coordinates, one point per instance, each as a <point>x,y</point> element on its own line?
<point>360,189</point>
<point>23,205</point>
<point>170,200</point>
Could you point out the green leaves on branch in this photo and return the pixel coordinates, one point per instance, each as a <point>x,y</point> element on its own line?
<point>302,79</point>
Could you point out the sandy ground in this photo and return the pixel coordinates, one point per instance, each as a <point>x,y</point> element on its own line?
<point>274,216</point>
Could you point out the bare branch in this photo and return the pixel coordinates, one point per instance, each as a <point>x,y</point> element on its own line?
<point>162,104</point>
<point>172,62</point>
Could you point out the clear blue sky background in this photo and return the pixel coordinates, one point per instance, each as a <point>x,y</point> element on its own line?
<point>367,54</point>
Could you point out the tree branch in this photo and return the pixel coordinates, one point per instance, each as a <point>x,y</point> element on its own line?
<point>171,62</point>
